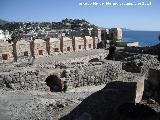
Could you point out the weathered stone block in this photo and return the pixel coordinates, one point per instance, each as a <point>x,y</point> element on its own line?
<point>152,85</point>
<point>134,88</point>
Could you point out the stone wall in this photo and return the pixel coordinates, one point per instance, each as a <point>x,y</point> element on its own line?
<point>115,34</point>
<point>39,47</point>
<point>67,45</point>
<point>90,74</point>
<point>26,80</point>
<point>88,42</point>
<point>76,75</point>
<point>152,84</point>
<point>78,43</point>
<point>54,45</point>
<point>6,51</point>
<point>23,48</point>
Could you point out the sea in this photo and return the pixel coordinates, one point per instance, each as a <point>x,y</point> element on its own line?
<point>145,38</point>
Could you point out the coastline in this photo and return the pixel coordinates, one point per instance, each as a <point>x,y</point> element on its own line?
<point>145,38</point>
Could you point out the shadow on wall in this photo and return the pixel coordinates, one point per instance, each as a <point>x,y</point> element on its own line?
<point>112,103</point>
<point>131,111</point>
<point>94,60</point>
<point>54,83</point>
<point>152,85</point>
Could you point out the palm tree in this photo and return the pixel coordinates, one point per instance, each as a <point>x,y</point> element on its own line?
<point>14,38</point>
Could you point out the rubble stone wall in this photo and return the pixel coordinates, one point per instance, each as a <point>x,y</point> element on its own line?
<point>23,80</point>
<point>76,75</point>
<point>55,47</point>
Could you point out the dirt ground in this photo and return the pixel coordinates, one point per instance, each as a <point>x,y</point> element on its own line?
<point>40,105</point>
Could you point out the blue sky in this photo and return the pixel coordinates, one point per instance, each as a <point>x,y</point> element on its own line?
<point>132,17</point>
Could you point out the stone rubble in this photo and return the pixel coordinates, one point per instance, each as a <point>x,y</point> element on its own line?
<point>16,80</point>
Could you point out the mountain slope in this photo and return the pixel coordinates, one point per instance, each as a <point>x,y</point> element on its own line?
<point>2,22</point>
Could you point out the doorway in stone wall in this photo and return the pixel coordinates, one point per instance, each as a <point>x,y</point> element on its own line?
<point>56,50</point>
<point>54,83</point>
<point>68,48</point>
<point>5,56</point>
<point>26,53</point>
<point>40,52</point>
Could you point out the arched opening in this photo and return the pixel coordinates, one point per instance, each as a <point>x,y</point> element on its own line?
<point>131,111</point>
<point>54,83</point>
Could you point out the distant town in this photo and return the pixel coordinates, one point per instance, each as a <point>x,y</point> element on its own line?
<point>34,39</point>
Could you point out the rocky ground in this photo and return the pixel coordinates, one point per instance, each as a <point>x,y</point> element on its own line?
<point>43,105</point>
<point>36,105</point>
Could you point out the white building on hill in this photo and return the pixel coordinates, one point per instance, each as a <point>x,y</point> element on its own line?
<point>4,35</point>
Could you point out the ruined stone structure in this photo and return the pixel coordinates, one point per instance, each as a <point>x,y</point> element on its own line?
<point>39,47</point>
<point>66,44</point>
<point>152,87</point>
<point>77,74</point>
<point>78,43</point>
<point>6,51</point>
<point>54,45</point>
<point>97,33</point>
<point>88,42</point>
<point>104,37</point>
<point>43,46</point>
<point>23,48</point>
<point>115,34</point>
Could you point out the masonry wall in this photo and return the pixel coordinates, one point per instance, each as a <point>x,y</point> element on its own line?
<point>35,79</point>
<point>152,88</point>
<point>67,45</point>
<point>54,45</point>
<point>6,52</point>
<point>88,43</point>
<point>23,48</point>
<point>115,34</point>
<point>39,47</point>
<point>79,44</point>
<point>28,80</point>
<point>77,75</point>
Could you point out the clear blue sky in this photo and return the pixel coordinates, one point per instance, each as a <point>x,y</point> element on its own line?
<point>132,17</point>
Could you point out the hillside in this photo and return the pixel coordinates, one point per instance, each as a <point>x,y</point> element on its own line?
<point>2,22</point>
<point>74,24</point>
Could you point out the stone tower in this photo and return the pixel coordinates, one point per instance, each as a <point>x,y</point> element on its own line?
<point>115,34</point>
